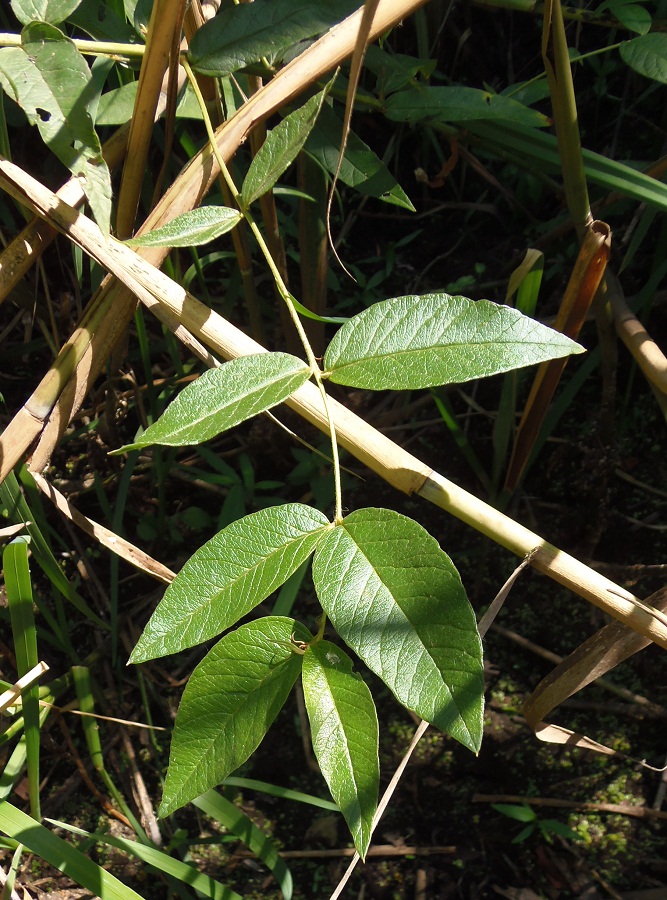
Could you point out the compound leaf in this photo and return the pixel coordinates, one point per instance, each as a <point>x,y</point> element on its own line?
<point>193,228</point>
<point>397,600</point>
<point>229,576</point>
<point>344,728</point>
<point>281,147</point>
<point>416,342</point>
<point>223,397</point>
<point>229,703</point>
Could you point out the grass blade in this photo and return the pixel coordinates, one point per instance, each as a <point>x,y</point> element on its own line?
<point>203,884</point>
<point>63,856</point>
<point>19,597</point>
<point>217,807</point>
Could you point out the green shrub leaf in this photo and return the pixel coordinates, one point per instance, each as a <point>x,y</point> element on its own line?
<point>52,11</point>
<point>229,576</point>
<point>361,169</point>
<point>221,398</point>
<point>193,228</point>
<point>416,342</point>
<point>103,23</point>
<point>50,81</point>
<point>633,16</point>
<point>229,703</point>
<point>281,147</point>
<point>344,729</point>
<point>459,104</point>
<point>397,600</point>
<point>647,55</point>
<point>396,70</point>
<point>521,813</point>
<point>246,33</point>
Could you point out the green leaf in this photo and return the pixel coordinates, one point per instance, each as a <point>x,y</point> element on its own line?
<point>344,729</point>
<point>309,314</point>
<point>117,106</point>
<point>275,790</point>
<point>647,55</point>
<point>633,16</point>
<point>222,398</point>
<point>51,82</point>
<point>246,33</point>
<point>524,834</point>
<point>459,104</point>
<point>553,826</point>
<point>52,11</point>
<point>281,147</point>
<point>361,168</point>
<point>63,856</point>
<point>18,590</point>
<point>521,813</point>
<point>396,70</point>
<point>416,342</point>
<point>397,600</point>
<point>229,703</point>
<point>13,499</point>
<point>539,151</point>
<point>191,229</point>
<point>103,23</point>
<point>229,576</point>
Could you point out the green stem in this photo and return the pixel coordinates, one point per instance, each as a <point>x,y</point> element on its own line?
<point>280,284</point>
<point>88,48</point>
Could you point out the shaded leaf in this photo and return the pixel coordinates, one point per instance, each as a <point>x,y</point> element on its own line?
<point>459,104</point>
<point>50,81</point>
<point>362,169</point>
<point>344,728</point>
<point>521,813</point>
<point>102,22</point>
<point>417,342</point>
<point>117,106</point>
<point>248,32</point>
<point>229,576</point>
<point>229,703</point>
<point>396,70</point>
<point>539,151</point>
<point>281,147</point>
<point>397,600</point>
<point>191,229</point>
<point>647,55</point>
<point>633,16</point>
<point>221,398</point>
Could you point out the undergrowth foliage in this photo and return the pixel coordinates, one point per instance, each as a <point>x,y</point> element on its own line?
<point>390,596</point>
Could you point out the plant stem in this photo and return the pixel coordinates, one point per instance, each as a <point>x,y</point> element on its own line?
<point>280,284</point>
<point>88,48</point>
